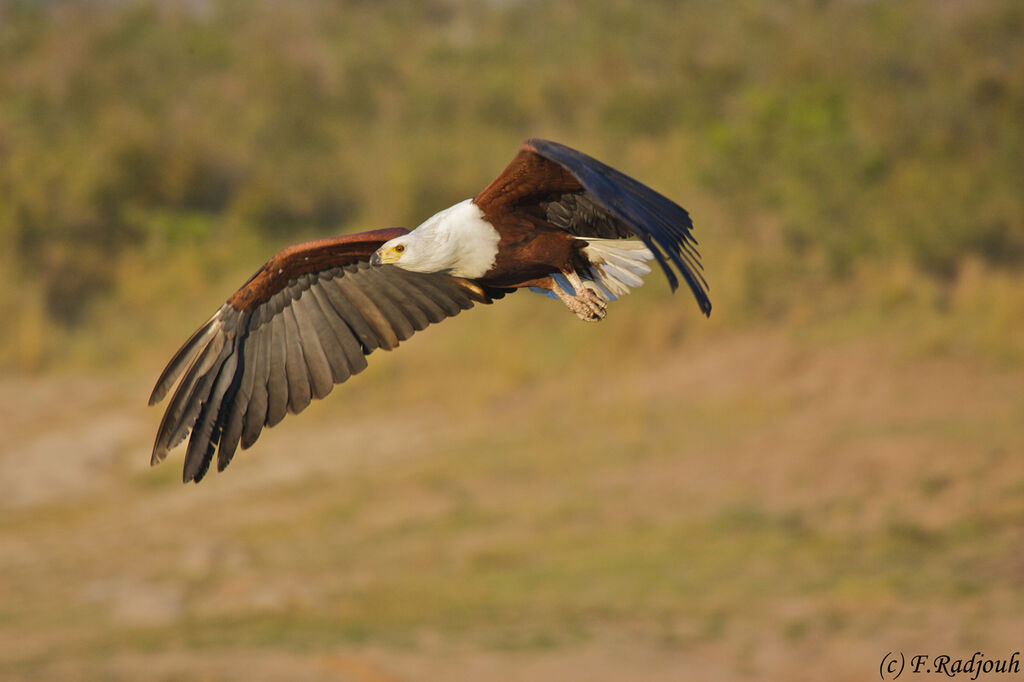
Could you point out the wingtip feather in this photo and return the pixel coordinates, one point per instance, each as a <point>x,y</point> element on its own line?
<point>181,359</point>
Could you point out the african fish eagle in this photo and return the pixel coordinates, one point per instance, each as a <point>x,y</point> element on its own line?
<point>555,221</point>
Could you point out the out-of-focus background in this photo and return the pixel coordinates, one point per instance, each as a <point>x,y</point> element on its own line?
<point>829,469</point>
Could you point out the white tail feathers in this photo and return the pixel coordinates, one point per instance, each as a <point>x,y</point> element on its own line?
<point>617,264</point>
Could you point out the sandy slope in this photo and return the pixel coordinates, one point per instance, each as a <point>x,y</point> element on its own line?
<point>756,507</point>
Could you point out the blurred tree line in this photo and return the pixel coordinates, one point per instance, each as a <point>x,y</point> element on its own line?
<point>137,135</point>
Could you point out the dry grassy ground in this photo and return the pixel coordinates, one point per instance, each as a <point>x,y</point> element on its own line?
<point>690,504</point>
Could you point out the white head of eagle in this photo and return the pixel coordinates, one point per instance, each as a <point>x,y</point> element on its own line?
<point>456,241</point>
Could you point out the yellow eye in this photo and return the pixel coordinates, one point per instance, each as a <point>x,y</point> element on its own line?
<point>399,248</point>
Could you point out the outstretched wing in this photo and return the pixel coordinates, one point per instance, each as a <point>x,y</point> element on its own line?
<point>581,195</point>
<point>304,322</point>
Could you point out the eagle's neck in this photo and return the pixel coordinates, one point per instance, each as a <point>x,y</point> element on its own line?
<point>458,241</point>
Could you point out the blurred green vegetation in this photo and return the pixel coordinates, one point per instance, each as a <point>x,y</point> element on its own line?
<point>154,153</point>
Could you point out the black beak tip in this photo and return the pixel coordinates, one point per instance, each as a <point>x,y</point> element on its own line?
<point>375,258</point>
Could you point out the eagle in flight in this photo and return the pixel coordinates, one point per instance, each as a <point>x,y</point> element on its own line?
<point>555,220</point>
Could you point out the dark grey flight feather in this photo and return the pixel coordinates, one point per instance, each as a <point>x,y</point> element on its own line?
<point>243,371</point>
<point>663,225</point>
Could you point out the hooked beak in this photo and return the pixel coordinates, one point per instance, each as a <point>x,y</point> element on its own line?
<point>386,254</point>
